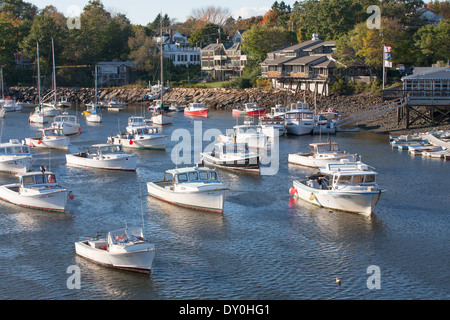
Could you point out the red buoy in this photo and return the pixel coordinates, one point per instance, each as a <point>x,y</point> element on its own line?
<point>292,191</point>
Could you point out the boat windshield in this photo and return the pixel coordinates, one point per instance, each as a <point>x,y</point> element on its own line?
<point>327,148</point>
<point>111,149</point>
<point>357,179</point>
<point>16,149</point>
<point>37,179</point>
<point>235,148</point>
<point>195,176</point>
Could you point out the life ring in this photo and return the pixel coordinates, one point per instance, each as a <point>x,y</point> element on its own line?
<point>312,196</point>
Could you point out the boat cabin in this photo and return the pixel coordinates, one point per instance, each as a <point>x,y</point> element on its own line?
<point>52,132</point>
<point>251,106</point>
<point>324,147</point>
<point>105,149</point>
<point>136,121</point>
<point>144,130</point>
<point>349,174</point>
<point>192,175</point>
<point>197,105</point>
<point>299,106</point>
<point>279,110</point>
<point>37,179</point>
<point>65,118</point>
<point>230,148</point>
<point>14,148</point>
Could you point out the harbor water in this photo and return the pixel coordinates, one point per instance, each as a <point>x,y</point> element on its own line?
<point>265,245</point>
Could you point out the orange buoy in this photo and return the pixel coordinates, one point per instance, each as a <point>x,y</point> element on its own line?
<point>292,191</point>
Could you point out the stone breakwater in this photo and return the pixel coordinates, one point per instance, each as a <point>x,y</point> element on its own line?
<point>227,99</point>
<point>219,99</point>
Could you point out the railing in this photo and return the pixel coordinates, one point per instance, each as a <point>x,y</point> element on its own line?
<point>416,94</point>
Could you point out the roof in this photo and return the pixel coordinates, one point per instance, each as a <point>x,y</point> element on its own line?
<point>326,64</point>
<point>278,61</point>
<point>115,63</point>
<point>322,44</point>
<point>436,74</point>
<point>305,60</point>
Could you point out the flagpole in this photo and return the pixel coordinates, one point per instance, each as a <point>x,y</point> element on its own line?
<point>384,62</point>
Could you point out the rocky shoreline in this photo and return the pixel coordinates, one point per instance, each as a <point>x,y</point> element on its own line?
<point>227,99</point>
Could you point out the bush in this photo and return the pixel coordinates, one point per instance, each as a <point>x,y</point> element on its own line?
<point>340,86</point>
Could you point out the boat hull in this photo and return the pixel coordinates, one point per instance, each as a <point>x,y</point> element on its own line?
<point>49,200</point>
<point>161,119</point>
<point>38,118</point>
<point>60,143</point>
<point>196,113</point>
<point>126,163</point>
<point>92,117</point>
<point>153,143</point>
<point>299,129</point>
<point>362,202</point>
<point>249,164</point>
<point>137,261</point>
<point>206,200</point>
<point>258,112</point>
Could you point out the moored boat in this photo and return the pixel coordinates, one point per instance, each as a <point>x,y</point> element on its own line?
<point>299,119</point>
<point>125,249</point>
<point>193,187</point>
<point>348,186</point>
<point>67,123</point>
<point>52,138</point>
<point>320,155</point>
<point>232,156</point>
<point>196,110</point>
<point>37,190</point>
<point>252,109</point>
<point>144,137</point>
<point>103,156</point>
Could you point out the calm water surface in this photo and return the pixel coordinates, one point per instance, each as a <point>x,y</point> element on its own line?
<point>264,246</point>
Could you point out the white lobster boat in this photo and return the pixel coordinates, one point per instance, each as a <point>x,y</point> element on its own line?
<point>37,190</point>
<point>125,249</point>
<point>321,154</point>
<point>15,157</point>
<point>103,156</point>
<point>145,137</point>
<point>273,126</point>
<point>348,186</point>
<point>67,123</point>
<point>38,116</point>
<point>299,119</point>
<point>193,187</point>
<point>52,138</point>
<point>233,156</point>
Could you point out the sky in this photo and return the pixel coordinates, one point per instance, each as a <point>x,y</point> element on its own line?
<point>145,11</point>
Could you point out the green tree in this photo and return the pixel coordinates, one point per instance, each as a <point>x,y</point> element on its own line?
<point>432,43</point>
<point>208,34</point>
<point>260,40</point>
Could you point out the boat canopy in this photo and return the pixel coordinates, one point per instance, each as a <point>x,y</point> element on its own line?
<point>144,130</point>
<point>107,148</point>
<point>193,174</point>
<point>65,118</point>
<point>231,147</point>
<point>325,147</point>
<point>12,148</point>
<point>125,235</point>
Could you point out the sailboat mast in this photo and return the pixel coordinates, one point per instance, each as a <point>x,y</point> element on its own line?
<point>54,71</point>
<point>162,72</point>
<point>96,89</point>
<point>39,74</point>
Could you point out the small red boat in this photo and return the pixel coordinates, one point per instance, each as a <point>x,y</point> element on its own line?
<point>196,110</point>
<point>252,109</point>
